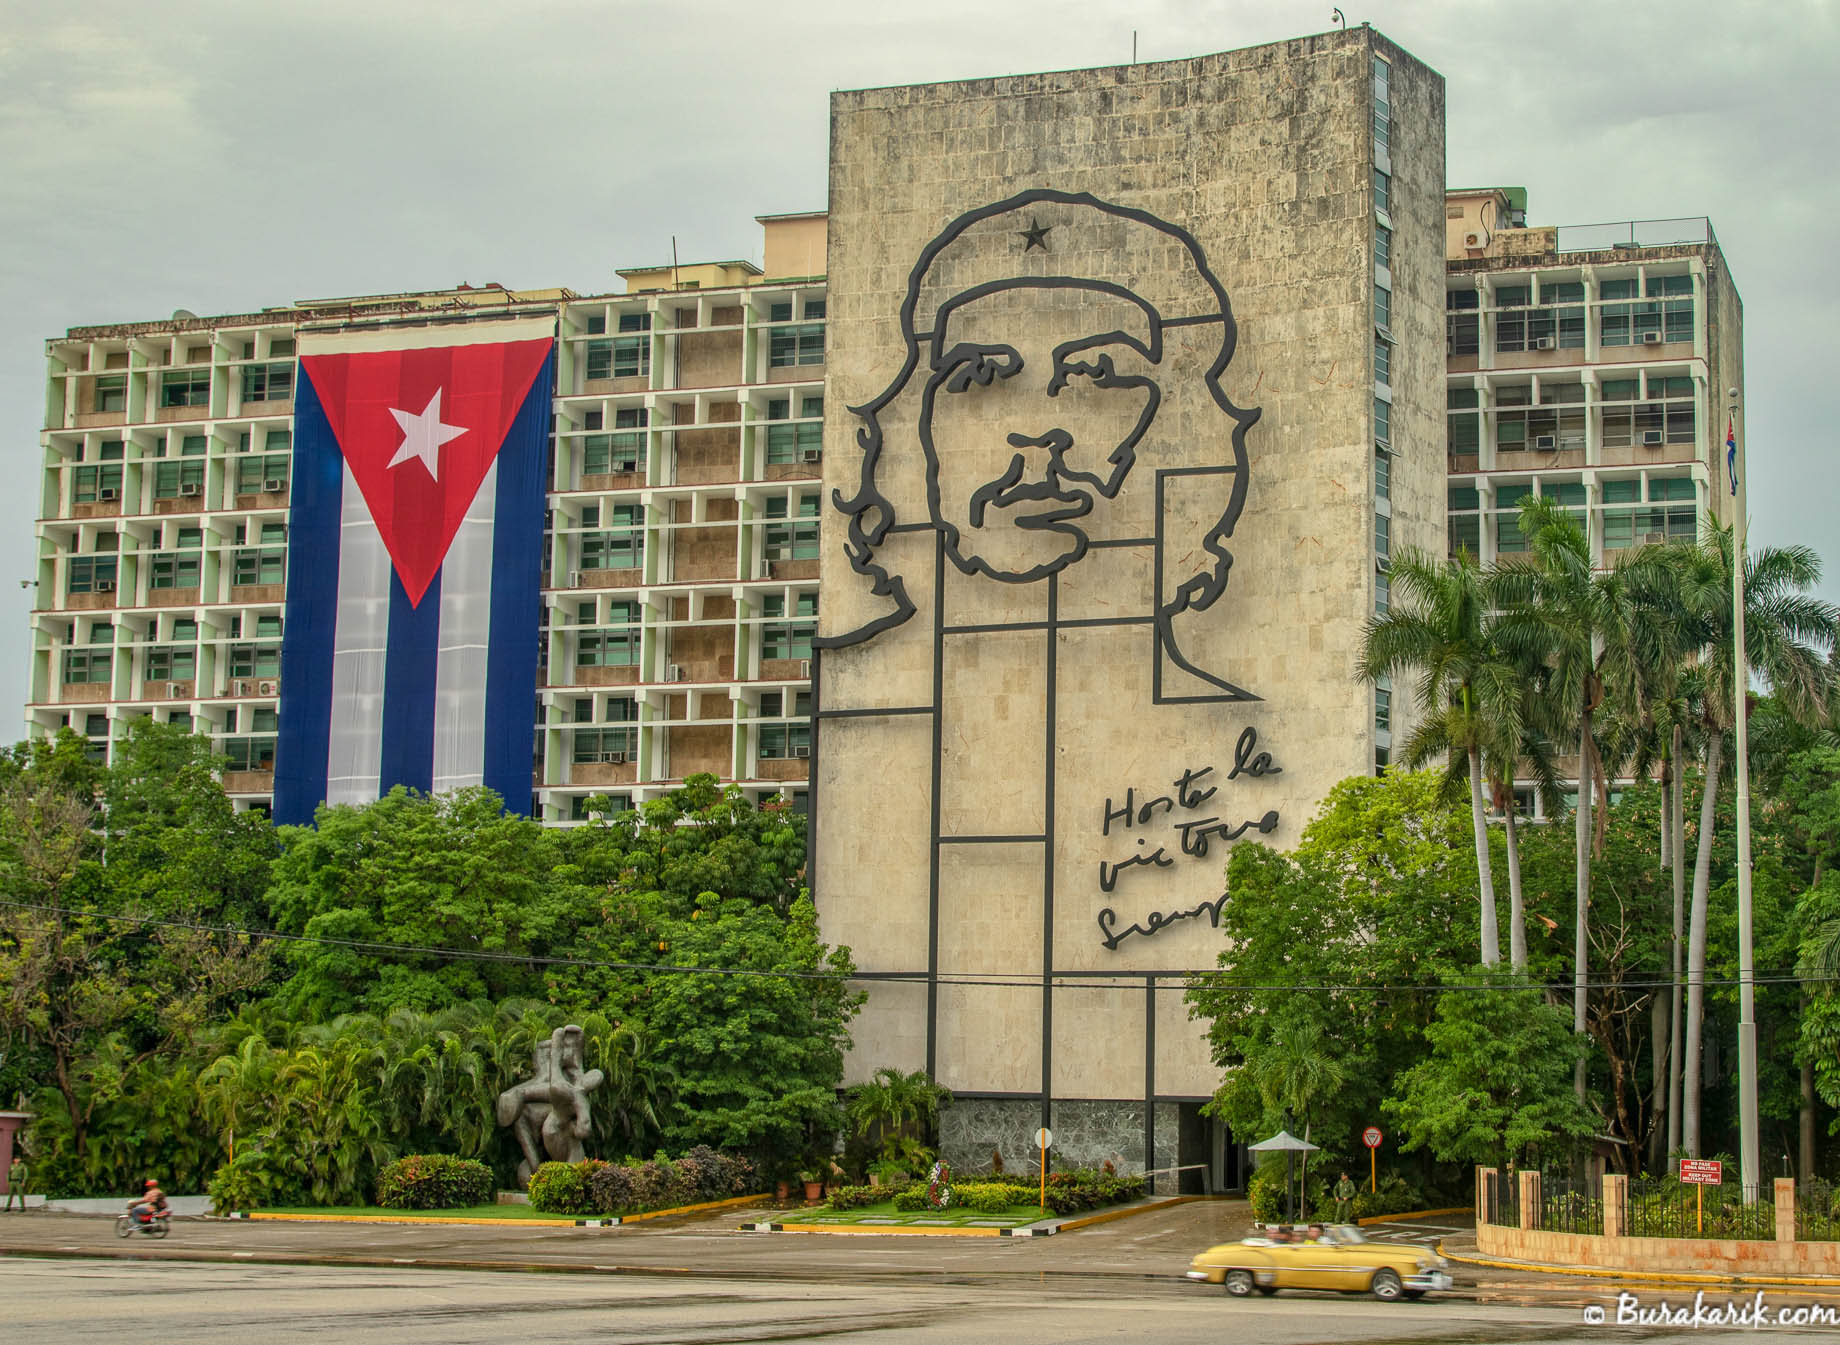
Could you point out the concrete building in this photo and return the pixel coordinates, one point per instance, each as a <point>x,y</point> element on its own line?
<point>1106,334</point>
<point>680,593</point>
<point>1591,364</point>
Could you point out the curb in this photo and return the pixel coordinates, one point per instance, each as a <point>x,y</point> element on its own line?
<point>1641,1276</point>
<point>1415,1214</point>
<point>485,1221</point>
<point>1045,1228</point>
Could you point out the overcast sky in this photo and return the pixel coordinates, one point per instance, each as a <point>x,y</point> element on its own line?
<point>222,157</point>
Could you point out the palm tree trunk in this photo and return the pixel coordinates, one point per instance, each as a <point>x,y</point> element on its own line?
<point>1805,1139</point>
<point>1491,937</point>
<point>1517,908</point>
<point>1677,795</point>
<point>1696,953</point>
<point>1581,877</point>
<point>1658,1078</point>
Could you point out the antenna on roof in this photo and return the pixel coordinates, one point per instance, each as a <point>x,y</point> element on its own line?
<point>673,261</point>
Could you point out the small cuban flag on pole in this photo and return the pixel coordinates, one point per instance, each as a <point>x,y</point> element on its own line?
<point>414,560</point>
<point>1731,454</point>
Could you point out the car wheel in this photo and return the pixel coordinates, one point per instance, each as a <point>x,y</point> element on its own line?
<point>1385,1285</point>
<point>1239,1283</point>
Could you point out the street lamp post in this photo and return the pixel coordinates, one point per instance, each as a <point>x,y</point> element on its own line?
<point>1749,1162</point>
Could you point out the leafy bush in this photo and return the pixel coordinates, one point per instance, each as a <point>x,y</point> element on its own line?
<point>859,1197</point>
<point>255,1178</point>
<point>434,1182</point>
<point>611,1189</point>
<point>912,1199</point>
<point>1265,1193</point>
<point>559,1188</point>
<point>1086,1189</point>
<point>993,1197</point>
<point>660,1183</point>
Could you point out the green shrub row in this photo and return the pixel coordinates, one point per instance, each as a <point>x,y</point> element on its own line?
<point>860,1197</point>
<point>435,1182</point>
<point>1068,1193</point>
<point>592,1187</point>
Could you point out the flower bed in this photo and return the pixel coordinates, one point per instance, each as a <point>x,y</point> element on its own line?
<point>592,1187</point>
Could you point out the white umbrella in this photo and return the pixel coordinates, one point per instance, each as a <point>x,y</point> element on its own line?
<point>1289,1145</point>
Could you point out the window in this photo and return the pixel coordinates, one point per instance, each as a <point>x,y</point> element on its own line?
<point>599,363</point>
<point>615,645</point>
<point>265,566</point>
<point>783,639</point>
<point>620,452</point>
<point>185,387</point>
<point>1383,307</point>
<point>281,345</point>
<point>1383,474</point>
<point>1511,319</point>
<point>112,392</point>
<point>1677,311</point>
<point>1383,191</point>
<point>96,483</point>
<point>1383,536</point>
<point>1383,359</point>
<point>632,355</point>
<point>88,665</point>
<point>1508,535</point>
<point>782,740</point>
<point>1383,246</point>
<point>175,477</point>
<point>621,546</point>
<point>1462,322</point>
<point>1567,298</point>
<point>786,540</point>
<point>1510,419</point>
<point>1463,421</point>
<point>268,382</point>
<point>1383,112</point>
<point>1465,533</point>
<point>90,574</point>
<point>788,346</point>
<point>111,450</point>
<point>1383,421</point>
<point>1383,592</point>
<point>174,569</point>
<point>605,744</point>
<point>255,660</point>
<point>249,754</point>
<point>1383,708</point>
<point>263,473</point>
<point>1626,324</point>
<point>172,663</point>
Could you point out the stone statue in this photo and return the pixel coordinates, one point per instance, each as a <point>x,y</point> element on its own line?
<point>552,1105</point>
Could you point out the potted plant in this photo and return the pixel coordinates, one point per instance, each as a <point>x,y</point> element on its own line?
<point>814,1185</point>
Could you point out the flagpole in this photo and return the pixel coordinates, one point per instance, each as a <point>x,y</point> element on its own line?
<point>1749,1153</point>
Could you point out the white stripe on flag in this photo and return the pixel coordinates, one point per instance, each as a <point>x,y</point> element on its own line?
<point>466,629</point>
<point>354,750</point>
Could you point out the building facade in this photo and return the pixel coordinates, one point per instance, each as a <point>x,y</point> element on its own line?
<point>680,582</point>
<point>1133,385</point>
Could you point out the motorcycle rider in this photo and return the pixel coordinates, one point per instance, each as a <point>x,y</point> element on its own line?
<point>151,1205</point>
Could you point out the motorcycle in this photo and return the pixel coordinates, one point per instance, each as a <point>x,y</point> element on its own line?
<point>153,1226</point>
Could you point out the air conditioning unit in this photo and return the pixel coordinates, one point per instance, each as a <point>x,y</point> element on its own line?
<point>190,488</point>
<point>1545,343</point>
<point>1651,437</point>
<point>1548,441</point>
<point>574,578</point>
<point>1654,538</point>
<point>104,586</point>
<point>673,672</point>
<point>174,690</point>
<point>801,751</point>
<point>1475,240</point>
<point>1651,338</point>
<point>274,486</point>
<point>242,688</point>
<point>109,493</point>
<point>805,667</point>
<point>269,688</point>
<point>775,552</point>
<point>616,758</point>
<point>813,455</point>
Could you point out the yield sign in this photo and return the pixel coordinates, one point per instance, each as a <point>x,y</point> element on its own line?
<point>419,430</point>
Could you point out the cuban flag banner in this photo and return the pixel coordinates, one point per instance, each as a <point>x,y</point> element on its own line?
<point>415,537</point>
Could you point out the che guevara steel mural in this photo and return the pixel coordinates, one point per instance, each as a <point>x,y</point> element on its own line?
<point>1056,348</point>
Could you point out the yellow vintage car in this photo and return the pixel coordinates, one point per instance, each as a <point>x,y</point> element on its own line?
<point>1343,1258</point>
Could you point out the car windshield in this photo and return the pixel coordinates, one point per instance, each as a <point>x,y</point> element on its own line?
<point>1347,1234</point>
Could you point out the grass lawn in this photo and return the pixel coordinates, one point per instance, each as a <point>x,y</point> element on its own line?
<point>378,1212</point>
<point>953,1216</point>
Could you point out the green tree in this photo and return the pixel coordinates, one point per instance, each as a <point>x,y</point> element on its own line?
<point>896,1111</point>
<point>1496,1081</point>
<point>1439,627</point>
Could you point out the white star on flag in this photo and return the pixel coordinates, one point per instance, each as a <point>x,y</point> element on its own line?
<point>423,436</point>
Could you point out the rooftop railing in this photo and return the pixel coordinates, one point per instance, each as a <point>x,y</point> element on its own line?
<point>1645,233</point>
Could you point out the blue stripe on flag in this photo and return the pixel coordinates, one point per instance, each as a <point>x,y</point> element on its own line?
<point>517,596</point>
<point>408,688</point>
<point>317,497</point>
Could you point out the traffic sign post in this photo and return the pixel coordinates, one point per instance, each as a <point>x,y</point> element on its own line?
<point>1043,1139</point>
<point>1699,1173</point>
<point>1371,1137</point>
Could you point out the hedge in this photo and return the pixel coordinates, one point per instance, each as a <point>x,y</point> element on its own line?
<point>434,1182</point>
<point>593,1187</point>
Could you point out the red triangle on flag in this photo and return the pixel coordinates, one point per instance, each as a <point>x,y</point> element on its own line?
<point>420,429</point>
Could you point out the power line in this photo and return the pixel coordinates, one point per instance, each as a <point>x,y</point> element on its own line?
<point>1099,980</point>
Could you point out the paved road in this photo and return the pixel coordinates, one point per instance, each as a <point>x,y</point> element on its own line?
<point>87,1300</point>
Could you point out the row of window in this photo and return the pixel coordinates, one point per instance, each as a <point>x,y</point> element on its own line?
<point>1558,321</point>
<point>190,446</point>
<point>1560,421</point>
<point>182,566</point>
<point>192,387</point>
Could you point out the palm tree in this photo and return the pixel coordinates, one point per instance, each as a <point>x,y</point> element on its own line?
<point>1527,753</point>
<point>1787,637</point>
<point>893,1105</point>
<point>1440,627</point>
<point>1295,1071</point>
<point>1574,621</point>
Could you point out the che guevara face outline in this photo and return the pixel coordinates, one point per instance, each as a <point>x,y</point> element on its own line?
<point>1069,417</point>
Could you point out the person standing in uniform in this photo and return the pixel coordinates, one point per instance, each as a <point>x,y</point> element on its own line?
<point>16,1178</point>
<point>1344,1200</point>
